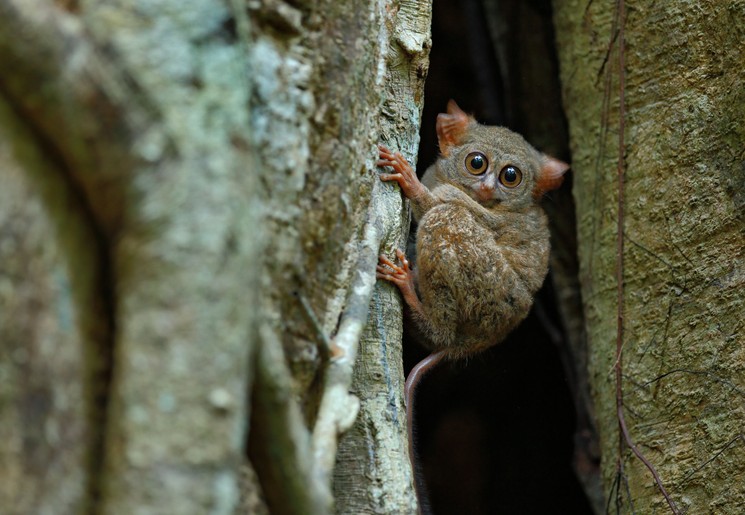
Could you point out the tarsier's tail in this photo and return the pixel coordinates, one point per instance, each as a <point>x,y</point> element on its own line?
<point>412,382</point>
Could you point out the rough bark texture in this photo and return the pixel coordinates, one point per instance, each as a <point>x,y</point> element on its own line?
<point>48,271</point>
<point>142,111</point>
<point>356,74</point>
<point>683,350</point>
<point>189,222</point>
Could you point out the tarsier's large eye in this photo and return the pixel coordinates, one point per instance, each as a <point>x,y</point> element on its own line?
<point>476,163</point>
<point>510,176</point>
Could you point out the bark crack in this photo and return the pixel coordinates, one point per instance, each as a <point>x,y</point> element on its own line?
<point>99,339</point>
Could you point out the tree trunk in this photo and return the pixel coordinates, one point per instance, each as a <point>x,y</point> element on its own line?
<point>189,224</point>
<point>681,290</point>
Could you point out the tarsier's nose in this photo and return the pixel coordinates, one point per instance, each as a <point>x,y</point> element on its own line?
<point>486,188</point>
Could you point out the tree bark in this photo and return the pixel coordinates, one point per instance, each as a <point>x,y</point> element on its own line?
<point>48,354</point>
<point>164,189</point>
<point>190,226</point>
<point>683,272</point>
<point>365,64</point>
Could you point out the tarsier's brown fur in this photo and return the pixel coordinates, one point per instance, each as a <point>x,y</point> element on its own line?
<point>482,247</point>
<point>482,244</point>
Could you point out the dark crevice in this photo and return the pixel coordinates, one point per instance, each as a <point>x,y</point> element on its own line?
<point>511,430</point>
<point>102,371</point>
<point>100,320</point>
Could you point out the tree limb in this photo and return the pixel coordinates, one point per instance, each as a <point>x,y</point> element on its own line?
<point>280,442</point>
<point>339,408</point>
<point>282,448</point>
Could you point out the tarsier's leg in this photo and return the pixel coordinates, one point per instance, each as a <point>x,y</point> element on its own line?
<point>438,325</point>
<point>403,277</point>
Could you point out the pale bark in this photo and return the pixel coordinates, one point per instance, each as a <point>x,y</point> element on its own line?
<point>48,343</point>
<point>190,224</point>
<point>157,166</point>
<point>683,351</point>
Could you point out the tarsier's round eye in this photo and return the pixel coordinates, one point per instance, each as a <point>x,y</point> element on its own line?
<point>510,176</point>
<point>476,163</point>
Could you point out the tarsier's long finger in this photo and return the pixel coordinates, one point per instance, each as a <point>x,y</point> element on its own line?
<point>385,163</point>
<point>383,271</point>
<point>400,164</point>
<point>385,261</point>
<point>387,155</point>
<point>390,264</point>
<point>390,176</point>
<point>388,275</point>
<point>402,258</point>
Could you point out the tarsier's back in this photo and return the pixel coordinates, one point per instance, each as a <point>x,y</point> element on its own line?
<point>478,281</point>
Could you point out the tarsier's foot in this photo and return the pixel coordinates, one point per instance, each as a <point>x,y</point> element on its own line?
<point>405,175</point>
<point>402,276</point>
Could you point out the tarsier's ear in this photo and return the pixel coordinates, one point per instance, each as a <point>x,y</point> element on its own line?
<point>550,176</point>
<point>451,127</point>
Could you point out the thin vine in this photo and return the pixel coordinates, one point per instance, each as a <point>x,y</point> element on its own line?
<point>624,432</point>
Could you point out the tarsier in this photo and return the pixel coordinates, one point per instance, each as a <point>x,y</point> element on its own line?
<point>482,244</point>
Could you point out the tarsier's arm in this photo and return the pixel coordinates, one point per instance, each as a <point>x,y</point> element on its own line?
<point>403,277</point>
<point>421,198</point>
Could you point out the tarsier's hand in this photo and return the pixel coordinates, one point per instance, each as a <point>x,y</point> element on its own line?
<point>405,175</point>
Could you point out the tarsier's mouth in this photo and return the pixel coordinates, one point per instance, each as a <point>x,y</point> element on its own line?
<point>484,194</point>
<point>487,201</point>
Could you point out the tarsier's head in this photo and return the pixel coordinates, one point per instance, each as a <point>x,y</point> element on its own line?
<point>492,164</point>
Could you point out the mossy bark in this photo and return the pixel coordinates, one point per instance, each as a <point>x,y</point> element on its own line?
<point>684,271</point>
<point>48,356</point>
<point>363,65</point>
<point>190,191</point>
